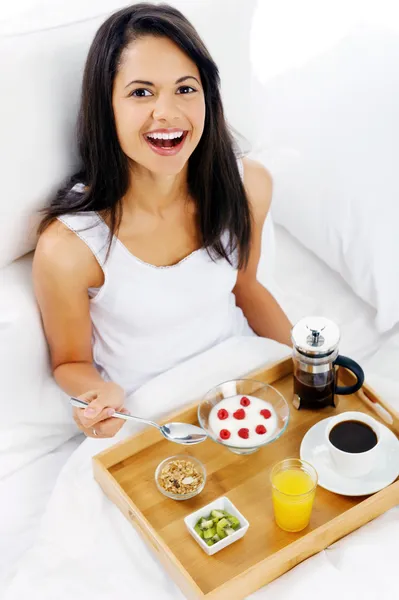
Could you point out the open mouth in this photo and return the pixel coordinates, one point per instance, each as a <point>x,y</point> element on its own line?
<point>166,143</point>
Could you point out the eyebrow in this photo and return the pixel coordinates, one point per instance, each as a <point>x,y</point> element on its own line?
<point>180,80</point>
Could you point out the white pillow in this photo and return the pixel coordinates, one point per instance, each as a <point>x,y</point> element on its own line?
<point>45,46</point>
<point>330,138</point>
<point>36,416</point>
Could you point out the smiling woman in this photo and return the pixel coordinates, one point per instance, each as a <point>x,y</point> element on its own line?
<point>149,255</point>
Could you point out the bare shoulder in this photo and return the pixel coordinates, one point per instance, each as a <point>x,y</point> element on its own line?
<point>60,253</point>
<point>259,187</point>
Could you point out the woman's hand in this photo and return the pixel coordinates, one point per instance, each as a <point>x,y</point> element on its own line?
<point>96,420</point>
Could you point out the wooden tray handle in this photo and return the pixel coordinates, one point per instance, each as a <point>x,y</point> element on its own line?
<point>386,412</point>
<point>136,522</point>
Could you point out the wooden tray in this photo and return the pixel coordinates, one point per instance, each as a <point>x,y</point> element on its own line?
<point>126,474</point>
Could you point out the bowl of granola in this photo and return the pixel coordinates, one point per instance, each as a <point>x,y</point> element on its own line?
<point>180,477</point>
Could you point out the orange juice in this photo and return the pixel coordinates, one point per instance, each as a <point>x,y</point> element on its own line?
<point>293,494</point>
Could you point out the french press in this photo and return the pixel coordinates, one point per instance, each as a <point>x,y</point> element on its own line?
<point>315,357</point>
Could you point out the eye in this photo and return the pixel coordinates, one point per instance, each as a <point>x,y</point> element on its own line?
<point>186,89</point>
<point>140,93</point>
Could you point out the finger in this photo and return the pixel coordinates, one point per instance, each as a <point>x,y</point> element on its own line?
<point>90,433</point>
<point>88,396</point>
<point>90,421</point>
<point>109,427</point>
<point>94,409</point>
<point>99,403</point>
<point>110,411</point>
<point>77,421</point>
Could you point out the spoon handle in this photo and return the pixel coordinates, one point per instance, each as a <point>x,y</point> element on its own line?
<point>127,417</point>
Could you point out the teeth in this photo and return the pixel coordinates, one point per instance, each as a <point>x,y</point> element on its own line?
<point>165,136</point>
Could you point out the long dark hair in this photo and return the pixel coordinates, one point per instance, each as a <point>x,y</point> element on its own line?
<point>214,180</point>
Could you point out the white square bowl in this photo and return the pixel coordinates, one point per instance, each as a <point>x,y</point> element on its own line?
<point>222,503</point>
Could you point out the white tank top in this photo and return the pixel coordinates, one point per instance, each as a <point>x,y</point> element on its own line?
<point>147,319</point>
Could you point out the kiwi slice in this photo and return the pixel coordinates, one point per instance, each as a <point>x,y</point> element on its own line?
<point>220,531</point>
<point>210,542</point>
<point>217,514</point>
<point>223,523</point>
<point>234,522</point>
<point>209,533</point>
<point>199,531</point>
<point>206,523</point>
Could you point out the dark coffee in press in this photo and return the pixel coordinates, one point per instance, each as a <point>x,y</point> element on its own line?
<point>314,390</point>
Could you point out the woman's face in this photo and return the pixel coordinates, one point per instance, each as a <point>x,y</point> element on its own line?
<point>159,105</point>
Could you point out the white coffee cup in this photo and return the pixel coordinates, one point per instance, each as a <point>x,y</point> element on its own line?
<point>351,464</point>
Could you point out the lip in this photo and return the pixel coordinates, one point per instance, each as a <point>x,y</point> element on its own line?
<point>166,151</point>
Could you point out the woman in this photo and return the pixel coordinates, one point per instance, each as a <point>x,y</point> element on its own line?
<point>149,255</point>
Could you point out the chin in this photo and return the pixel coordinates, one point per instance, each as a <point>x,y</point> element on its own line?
<point>162,165</point>
<point>168,167</point>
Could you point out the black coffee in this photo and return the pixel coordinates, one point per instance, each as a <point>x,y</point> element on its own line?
<point>315,390</point>
<point>353,436</point>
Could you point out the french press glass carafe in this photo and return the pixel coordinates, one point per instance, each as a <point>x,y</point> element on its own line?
<point>315,357</point>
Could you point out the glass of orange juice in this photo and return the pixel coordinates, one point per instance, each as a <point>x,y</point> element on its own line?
<point>294,483</point>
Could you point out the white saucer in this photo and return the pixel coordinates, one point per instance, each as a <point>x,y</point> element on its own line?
<point>315,451</point>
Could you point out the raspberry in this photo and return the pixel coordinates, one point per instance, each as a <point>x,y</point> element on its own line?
<point>239,414</point>
<point>245,401</point>
<point>223,414</point>
<point>224,434</point>
<point>266,413</point>
<point>261,429</point>
<point>243,433</point>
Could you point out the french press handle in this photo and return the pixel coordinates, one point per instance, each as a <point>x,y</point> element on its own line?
<point>356,369</point>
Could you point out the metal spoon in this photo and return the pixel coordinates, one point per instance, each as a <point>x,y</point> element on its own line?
<point>180,433</point>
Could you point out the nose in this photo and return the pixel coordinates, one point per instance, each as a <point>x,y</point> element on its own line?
<point>165,108</point>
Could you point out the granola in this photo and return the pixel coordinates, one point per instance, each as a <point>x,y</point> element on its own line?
<point>180,477</point>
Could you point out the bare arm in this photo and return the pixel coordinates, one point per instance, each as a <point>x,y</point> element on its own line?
<point>263,312</point>
<point>63,269</point>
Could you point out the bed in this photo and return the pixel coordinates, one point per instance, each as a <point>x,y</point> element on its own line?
<point>303,285</point>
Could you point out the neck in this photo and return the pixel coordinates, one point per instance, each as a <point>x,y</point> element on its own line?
<point>153,192</point>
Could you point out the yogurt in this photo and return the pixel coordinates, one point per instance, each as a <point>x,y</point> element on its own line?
<point>243,414</point>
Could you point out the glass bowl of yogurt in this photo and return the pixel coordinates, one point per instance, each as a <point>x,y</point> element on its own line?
<point>243,415</point>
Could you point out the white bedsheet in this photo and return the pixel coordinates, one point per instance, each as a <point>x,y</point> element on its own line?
<point>23,498</point>
<point>86,549</point>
